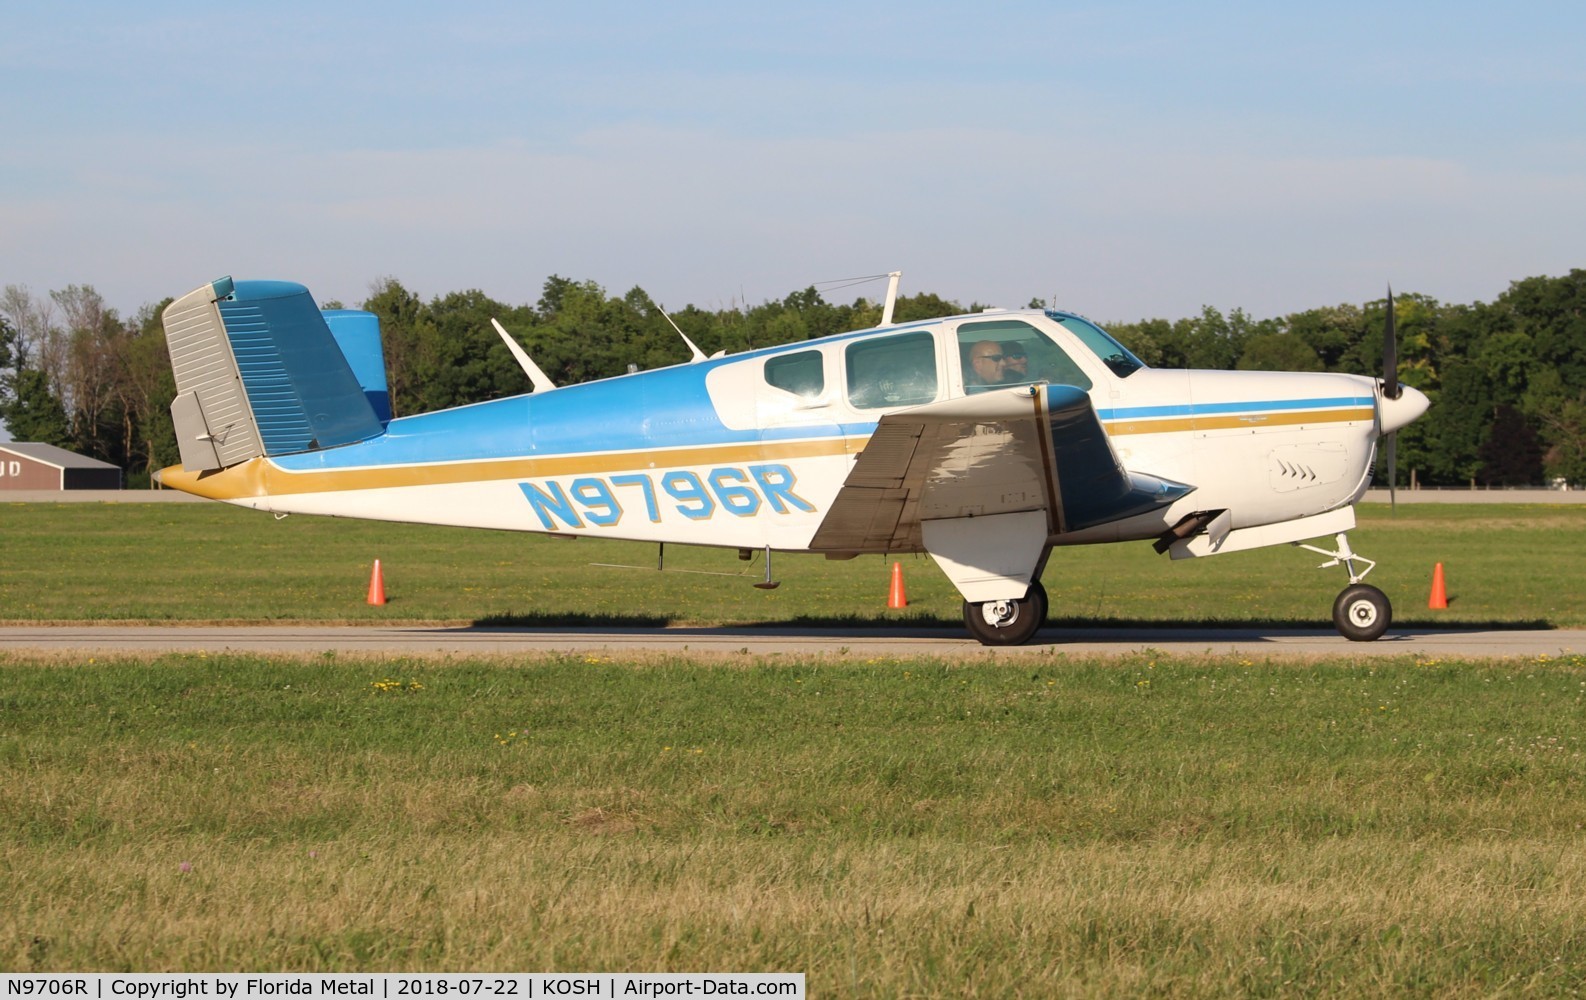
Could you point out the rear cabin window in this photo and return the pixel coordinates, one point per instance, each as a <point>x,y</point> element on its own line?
<point>899,370</point>
<point>1009,352</point>
<point>802,374</point>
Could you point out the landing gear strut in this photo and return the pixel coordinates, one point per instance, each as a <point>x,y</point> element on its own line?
<point>1007,623</point>
<point>1362,612</point>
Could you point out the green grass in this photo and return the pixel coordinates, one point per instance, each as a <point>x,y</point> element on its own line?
<point>211,562</point>
<point>1034,825</point>
<point>1029,825</point>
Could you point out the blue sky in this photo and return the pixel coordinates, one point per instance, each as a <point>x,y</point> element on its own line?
<point>1129,159</point>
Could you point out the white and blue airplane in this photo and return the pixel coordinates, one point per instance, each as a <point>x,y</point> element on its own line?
<point>985,440</point>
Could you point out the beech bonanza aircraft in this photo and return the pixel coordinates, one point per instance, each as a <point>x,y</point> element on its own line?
<point>984,440</point>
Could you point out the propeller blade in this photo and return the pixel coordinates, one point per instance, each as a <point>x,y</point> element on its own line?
<point>1393,471</point>
<point>1390,355</point>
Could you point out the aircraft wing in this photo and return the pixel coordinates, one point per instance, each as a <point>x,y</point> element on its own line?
<point>1038,451</point>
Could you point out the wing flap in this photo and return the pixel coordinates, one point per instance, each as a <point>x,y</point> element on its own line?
<point>864,519</point>
<point>887,456</point>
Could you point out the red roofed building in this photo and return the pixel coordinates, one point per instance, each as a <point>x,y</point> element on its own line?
<point>25,466</point>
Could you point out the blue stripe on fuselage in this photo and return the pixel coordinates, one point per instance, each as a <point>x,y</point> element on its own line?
<point>1213,409</point>
<point>666,408</point>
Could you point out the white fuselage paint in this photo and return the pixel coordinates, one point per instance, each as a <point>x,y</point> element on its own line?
<point>1232,435</point>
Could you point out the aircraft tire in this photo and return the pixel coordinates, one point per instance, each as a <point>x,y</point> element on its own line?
<point>1362,613</point>
<point>1007,623</point>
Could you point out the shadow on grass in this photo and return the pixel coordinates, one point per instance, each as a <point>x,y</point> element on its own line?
<point>575,619</point>
<point>924,621</point>
<point>1290,625</point>
<point>1173,624</point>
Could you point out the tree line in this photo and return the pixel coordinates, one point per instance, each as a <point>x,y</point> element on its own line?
<point>1507,379</point>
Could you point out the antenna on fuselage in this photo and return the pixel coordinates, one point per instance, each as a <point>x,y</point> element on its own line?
<point>892,297</point>
<point>694,353</point>
<point>532,370</point>
<point>892,291</point>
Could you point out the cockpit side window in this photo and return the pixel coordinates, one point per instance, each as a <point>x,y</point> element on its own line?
<point>802,374</point>
<point>1011,352</point>
<point>897,370</point>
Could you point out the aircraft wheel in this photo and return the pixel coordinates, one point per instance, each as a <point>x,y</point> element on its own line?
<point>1362,612</point>
<point>1007,623</point>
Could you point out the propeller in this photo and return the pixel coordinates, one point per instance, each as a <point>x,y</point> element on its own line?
<point>1391,390</point>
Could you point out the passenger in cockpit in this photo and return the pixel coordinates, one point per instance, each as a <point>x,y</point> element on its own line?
<point>1015,363</point>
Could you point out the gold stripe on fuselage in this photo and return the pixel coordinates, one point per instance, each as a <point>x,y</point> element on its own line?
<point>261,477</point>
<point>1238,420</point>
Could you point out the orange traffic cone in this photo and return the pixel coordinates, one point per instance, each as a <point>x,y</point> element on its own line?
<point>1439,597</point>
<point>896,598</point>
<point>376,585</point>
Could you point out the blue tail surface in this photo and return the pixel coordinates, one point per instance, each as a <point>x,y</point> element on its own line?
<point>259,372</point>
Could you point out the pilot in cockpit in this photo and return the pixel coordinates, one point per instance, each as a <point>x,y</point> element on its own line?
<point>986,367</point>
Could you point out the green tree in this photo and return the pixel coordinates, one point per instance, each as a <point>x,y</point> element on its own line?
<point>719,331</point>
<point>785,327</point>
<point>584,334</point>
<point>925,305</point>
<point>1146,339</point>
<point>1507,360</point>
<point>651,341</point>
<point>145,391</point>
<point>463,360</point>
<point>1330,332</point>
<point>1463,408</point>
<point>34,413</point>
<point>1278,352</point>
<point>1525,351</point>
<point>29,406</point>
<point>8,339</point>
<point>407,338</point>
<point>1565,426</point>
<point>1553,312</point>
<point>1511,454</point>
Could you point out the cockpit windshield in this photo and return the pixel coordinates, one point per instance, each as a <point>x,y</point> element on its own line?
<point>1112,354</point>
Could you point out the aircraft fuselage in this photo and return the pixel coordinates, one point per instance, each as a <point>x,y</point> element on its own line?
<point>715,453</point>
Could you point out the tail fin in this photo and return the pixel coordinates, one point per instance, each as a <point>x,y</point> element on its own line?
<point>259,373</point>
<point>357,333</point>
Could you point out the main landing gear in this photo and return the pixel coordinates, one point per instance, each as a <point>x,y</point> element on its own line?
<point>1007,623</point>
<point>1362,612</point>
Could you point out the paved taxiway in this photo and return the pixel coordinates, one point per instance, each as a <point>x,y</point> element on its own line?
<point>430,641</point>
<point>491,641</point>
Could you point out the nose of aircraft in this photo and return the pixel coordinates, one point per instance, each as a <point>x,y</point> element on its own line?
<point>1396,413</point>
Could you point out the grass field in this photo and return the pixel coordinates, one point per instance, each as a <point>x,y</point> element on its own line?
<point>1036,826</point>
<point>211,562</point>
<point>1032,825</point>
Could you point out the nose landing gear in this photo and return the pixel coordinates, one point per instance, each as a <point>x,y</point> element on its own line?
<point>1362,612</point>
